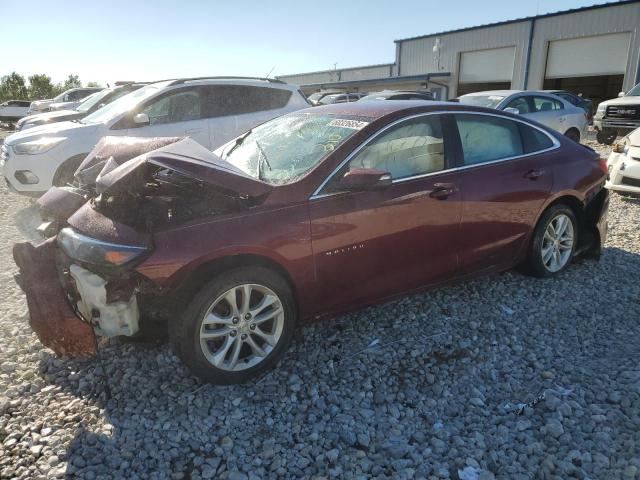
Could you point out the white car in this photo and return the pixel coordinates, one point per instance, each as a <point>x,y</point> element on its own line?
<point>72,97</point>
<point>624,164</point>
<point>13,110</point>
<point>545,108</point>
<point>212,111</point>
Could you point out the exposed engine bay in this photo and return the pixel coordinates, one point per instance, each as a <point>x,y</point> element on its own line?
<point>161,197</point>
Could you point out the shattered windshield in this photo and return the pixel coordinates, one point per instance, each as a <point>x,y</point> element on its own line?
<point>287,147</point>
<point>488,101</point>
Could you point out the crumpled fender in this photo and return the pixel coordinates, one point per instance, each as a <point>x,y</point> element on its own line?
<point>50,315</point>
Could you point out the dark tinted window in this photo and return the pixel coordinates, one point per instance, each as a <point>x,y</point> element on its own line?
<point>533,139</point>
<point>570,98</point>
<point>411,148</point>
<point>223,100</point>
<point>486,138</point>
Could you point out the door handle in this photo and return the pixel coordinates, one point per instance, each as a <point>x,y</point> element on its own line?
<point>442,190</point>
<point>534,174</point>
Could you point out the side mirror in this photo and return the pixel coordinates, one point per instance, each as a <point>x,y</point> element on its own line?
<point>621,94</point>
<point>512,110</point>
<point>141,119</point>
<point>365,179</point>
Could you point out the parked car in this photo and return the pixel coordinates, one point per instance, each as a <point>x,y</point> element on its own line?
<point>74,99</point>
<point>310,214</point>
<point>397,95</point>
<point>545,108</point>
<point>13,110</point>
<point>211,111</point>
<point>624,165</point>
<point>576,100</point>
<point>340,98</point>
<point>617,116</point>
<point>314,98</point>
<point>88,106</point>
<point>70,96</point>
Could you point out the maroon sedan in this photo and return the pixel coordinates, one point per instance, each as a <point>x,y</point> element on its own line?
<point>308,215</point>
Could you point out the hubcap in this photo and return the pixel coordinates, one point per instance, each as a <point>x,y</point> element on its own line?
<point>241,327</point>
<point>557,243</point>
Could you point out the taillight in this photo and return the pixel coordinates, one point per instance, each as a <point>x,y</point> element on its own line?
<point>603,165</point>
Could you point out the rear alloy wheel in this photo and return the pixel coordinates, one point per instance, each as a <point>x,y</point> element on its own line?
<point>554,241</point>
<point>237,326</point>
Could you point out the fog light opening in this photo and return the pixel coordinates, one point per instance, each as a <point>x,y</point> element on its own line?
<point>26,177</point>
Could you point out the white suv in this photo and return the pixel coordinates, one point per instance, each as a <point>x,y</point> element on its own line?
<point>212,111</point>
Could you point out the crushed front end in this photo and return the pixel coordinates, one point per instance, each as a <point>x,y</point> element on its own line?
<point>82,280</point>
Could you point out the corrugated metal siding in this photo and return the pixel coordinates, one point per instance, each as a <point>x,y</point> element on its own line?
<point>343,74</point>
<point>622,18</point>
<point>417,56</point>
<point>306,78</point>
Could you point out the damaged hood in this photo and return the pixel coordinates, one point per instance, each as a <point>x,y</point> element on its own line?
<point>190,159</point>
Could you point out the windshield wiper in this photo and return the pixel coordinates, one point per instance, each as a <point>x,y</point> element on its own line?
<point>239,141</point>
<point>262,156</point>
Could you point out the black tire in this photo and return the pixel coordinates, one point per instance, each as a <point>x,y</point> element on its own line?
<point>184,333</point>
<point>535,264</point>
<point>573,134</point>
<point>606,137</point>
<point>64,174</point>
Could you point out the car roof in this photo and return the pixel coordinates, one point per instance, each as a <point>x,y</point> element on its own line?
<point>255,82</point>
<point>501,93</point>
<point>376,110</point>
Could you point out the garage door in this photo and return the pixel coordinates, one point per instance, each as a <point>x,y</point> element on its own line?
<point>588,56</point>
<point>484,66</point>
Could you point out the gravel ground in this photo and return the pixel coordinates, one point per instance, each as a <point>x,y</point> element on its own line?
<point>430,386</point>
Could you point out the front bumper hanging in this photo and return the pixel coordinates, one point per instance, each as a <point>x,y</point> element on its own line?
<point>51,316</point>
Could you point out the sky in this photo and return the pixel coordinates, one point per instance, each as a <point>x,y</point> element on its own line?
<point>134,40</point>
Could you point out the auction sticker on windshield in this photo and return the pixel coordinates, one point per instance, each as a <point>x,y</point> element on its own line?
<point>353,124</point>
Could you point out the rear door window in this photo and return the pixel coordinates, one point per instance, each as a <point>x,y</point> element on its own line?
<point>486,138</point>
<point>546,104</point>
<point>224,100</point>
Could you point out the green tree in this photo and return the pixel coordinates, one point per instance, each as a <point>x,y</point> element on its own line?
<point>13,87</point>
<point>40,87</point>
<point>72,81</point>
<point>93,84</point>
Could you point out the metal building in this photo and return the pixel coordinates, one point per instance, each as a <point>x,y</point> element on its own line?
<point>591,50</point>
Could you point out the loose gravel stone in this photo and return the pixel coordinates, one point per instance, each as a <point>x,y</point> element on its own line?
<point>561,351</point>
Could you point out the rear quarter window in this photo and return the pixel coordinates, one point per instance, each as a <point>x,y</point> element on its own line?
<point>533,140</point>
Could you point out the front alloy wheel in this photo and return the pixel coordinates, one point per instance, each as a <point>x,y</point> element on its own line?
<point>241,327</point>
<point>237,326</point>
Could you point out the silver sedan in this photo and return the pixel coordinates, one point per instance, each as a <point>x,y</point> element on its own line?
<point>545,108</point>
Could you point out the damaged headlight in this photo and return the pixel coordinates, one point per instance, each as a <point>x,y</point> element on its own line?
<point>90,250</point>
<point>35,147</point>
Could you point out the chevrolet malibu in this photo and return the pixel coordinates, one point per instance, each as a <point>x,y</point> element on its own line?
<point>314,213</point>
